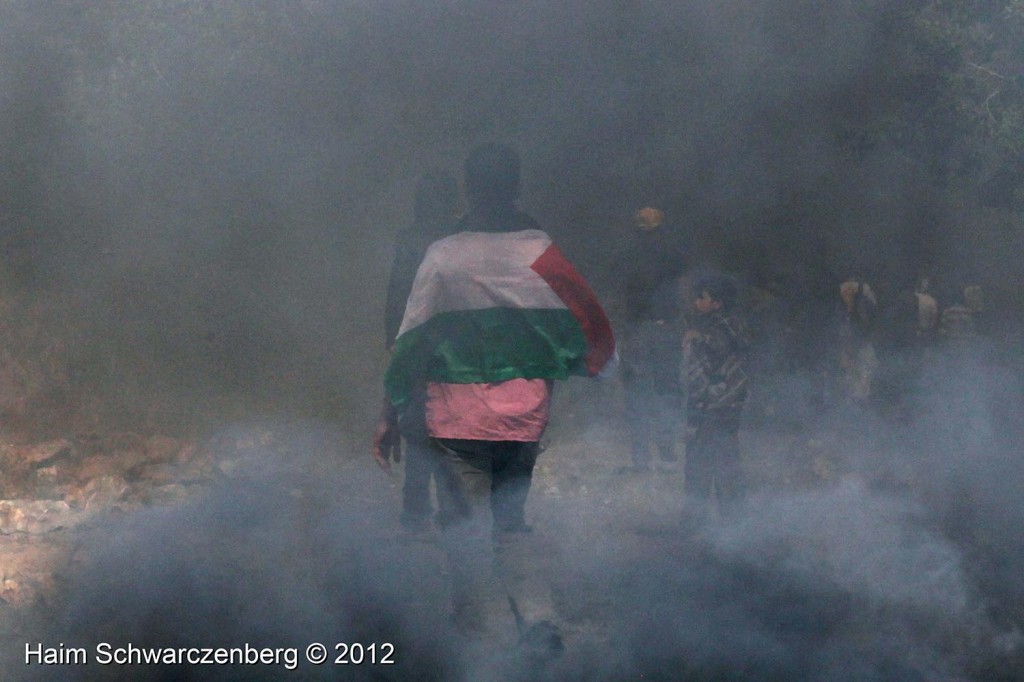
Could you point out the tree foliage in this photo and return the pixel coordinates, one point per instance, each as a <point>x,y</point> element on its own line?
<point>199,173</point>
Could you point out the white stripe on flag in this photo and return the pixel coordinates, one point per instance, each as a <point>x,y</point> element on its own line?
<point>480,270</point>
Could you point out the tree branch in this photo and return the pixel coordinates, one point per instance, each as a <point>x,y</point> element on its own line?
<point>987,100</point>
<point>987,70</point>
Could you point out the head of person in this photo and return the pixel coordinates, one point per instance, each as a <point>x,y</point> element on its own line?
<point>923,283</point>
<point>849,289</point>
<point>974,297</point>
<point>437,197</point>
<point>492,176</point>
<point>714,292</point>
<point>648,219</point>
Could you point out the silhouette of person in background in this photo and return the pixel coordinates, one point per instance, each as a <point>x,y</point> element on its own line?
<point>651,352</point>
<point>434,216</point>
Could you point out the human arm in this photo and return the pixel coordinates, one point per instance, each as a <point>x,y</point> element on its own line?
<point>387,442</point>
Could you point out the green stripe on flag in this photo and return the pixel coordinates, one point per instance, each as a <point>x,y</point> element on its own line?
<point>484,346</point>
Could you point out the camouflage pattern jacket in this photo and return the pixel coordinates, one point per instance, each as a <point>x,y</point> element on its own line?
<point>716,348</point>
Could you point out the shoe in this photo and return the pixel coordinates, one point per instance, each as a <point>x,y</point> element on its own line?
<point>517,527</point>
<point>668,468</point>
<point>542,641</point>
<point>420,530</point>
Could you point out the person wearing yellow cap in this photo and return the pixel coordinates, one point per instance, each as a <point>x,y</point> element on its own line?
<point>654,261</point>
<point>648,219</point>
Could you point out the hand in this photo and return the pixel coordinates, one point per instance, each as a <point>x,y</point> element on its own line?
<point>387,442</point>
<point>688,338</point>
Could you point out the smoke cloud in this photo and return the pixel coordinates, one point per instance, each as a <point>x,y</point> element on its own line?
<point>207,195</point>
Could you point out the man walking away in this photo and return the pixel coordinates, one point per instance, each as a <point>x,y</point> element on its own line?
<point>496,314</point>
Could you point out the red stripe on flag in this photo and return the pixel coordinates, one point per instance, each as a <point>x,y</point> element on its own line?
<point>579,298</point>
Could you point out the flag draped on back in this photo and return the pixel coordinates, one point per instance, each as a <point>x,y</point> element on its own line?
<point>494,306</point>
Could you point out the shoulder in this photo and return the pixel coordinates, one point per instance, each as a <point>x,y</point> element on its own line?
<point>489,254</point>
<point>470,239</point>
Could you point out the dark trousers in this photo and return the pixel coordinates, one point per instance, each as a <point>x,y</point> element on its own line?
<point>421,462</point>
<point>713,461</point>
<point>499,472</point>
<point>650,375</point>
<point>493,563</point>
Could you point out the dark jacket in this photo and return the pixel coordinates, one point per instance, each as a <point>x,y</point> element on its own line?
<point>716,363</point>
<point>653,262</point>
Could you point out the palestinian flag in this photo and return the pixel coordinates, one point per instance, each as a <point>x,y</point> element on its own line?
<point>493,306</point>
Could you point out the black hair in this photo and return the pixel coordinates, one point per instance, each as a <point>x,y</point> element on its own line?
<point>492,174</point>
<point>719,287</point>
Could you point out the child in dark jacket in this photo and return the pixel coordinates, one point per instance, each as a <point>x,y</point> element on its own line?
<point>715,346</point>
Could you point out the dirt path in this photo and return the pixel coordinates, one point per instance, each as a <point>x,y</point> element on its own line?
<point>821,576</point>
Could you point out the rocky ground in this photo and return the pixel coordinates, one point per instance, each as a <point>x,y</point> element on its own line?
<point>283,534</point>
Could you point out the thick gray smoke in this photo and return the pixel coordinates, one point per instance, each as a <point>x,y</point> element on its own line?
<point>839,581</point>
<point>212,191</point>
<point>218,184</point>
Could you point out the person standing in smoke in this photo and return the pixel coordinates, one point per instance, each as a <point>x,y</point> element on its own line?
<point>436,203</point>
<point>715,346</point>
<point>907,324</point>
<point>959,322</point>
<point>766,307</point>
<point>651,353</point>
<point>858,362</point>
<point>963,353</point>
<point>496,314</point>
